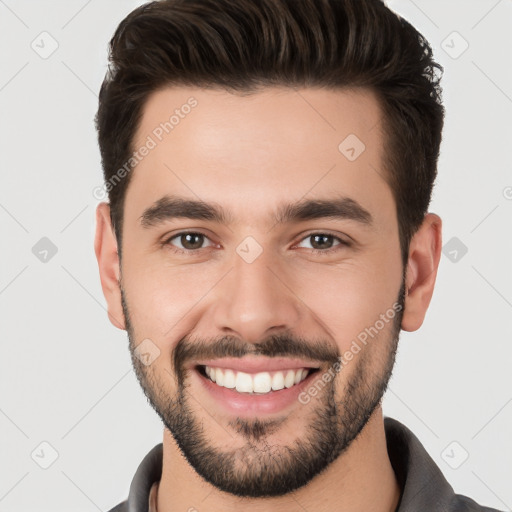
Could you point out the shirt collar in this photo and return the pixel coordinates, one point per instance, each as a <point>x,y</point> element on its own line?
<point>421,481</point>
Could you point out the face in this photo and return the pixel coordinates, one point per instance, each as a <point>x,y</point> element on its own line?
<point>289,262</point>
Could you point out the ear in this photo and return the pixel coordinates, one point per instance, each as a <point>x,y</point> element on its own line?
<point>105,247</point>
<point>424,256</point>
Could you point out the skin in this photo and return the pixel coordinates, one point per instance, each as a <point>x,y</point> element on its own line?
<point>249,155</point>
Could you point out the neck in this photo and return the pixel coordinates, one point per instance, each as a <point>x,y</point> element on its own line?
<point>361,479</point>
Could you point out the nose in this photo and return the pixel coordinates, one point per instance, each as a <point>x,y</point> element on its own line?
<point>255,299</point>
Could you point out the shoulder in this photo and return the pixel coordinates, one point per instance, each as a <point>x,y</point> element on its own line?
<point>461,503</point>
<point>122,507</point>
<point>424,486</point>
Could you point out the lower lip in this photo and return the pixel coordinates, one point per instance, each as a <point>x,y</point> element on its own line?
<point>246,403</point>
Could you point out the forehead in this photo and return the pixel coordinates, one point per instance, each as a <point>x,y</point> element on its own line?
<point>252,150</point>
<point>295,115</point>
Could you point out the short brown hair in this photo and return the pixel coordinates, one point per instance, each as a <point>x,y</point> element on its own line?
<point>245,45</point>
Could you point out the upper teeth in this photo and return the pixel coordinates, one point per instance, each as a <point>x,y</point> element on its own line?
<point>262,382</point>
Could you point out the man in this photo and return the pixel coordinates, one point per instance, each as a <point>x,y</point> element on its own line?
<point>269,166</point>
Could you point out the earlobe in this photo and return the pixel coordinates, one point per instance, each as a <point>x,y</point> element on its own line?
<point>105,248</point>
<point>422,265</point>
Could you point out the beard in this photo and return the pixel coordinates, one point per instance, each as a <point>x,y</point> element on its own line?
<point>259,469</point>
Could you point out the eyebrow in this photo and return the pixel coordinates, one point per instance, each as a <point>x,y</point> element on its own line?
<point>174,207</point>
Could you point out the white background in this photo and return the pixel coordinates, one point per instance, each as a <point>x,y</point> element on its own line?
<point>65,371</point>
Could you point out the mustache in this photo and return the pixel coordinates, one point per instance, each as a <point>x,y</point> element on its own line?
<point>278,345</point>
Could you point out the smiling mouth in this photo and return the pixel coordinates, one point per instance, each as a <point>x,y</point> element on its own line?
<point>261,383</point>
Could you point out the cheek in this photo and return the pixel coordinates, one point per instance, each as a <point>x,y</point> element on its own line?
<point>160,297</point>
<point>351,298</point>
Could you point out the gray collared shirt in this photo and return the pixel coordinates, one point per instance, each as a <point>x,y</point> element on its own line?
<point>424,488</point>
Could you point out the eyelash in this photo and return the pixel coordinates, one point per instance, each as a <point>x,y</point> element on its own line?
<point>319,252</point>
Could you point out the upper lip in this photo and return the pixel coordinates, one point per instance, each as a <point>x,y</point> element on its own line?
<point>258,364</point>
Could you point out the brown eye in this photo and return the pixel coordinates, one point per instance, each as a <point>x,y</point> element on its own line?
<point>321,241</point>
<point>324,243</point>
<point>188,241</point>
<point>191,240</point>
